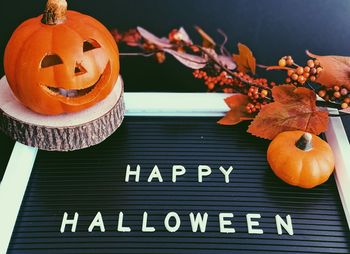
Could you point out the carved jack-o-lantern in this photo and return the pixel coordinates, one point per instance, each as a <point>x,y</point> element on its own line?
<point>62,61</point>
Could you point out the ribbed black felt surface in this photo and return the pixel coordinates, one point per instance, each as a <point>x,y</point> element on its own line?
<point>92,180</point>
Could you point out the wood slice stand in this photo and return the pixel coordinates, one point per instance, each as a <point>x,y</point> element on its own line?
<point>64,132</point>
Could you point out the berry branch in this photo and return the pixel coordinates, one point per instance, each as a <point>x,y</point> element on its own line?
<point>217,75</point>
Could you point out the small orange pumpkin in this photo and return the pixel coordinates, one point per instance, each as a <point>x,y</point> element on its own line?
<point>62,61</point>
<point>300,158</point>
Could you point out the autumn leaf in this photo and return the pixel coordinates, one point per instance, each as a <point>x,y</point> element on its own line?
<point>336,70</point>
<point>225,61</point>
<point>160,42</point>
<point>183,36</point>
<point>293,109</point>
<point>238,112</point>
<point>208,42</point>
<point>245,60</point>
<point>191,61</point>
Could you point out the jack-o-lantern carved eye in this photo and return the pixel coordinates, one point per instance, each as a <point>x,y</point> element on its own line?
<point>90,44</point>
<point>51,60</point>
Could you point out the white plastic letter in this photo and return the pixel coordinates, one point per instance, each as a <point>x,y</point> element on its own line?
<point>223,223</point>
<point>199,221</point>
<point>135,173</point>
<point>145,228</point>
<point>155,174</point>
<point>226,173</point>
<point>97,222</point>
<point>203,170</point>
<point>288,226</point>
<point>178,170</point>
<point>177,222</point>
<point>121,228</point>
<point>72,222</point>
<point>251,223</point>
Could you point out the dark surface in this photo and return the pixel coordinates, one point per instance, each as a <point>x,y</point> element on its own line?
<point>92,180</point>
<point>271,28</point>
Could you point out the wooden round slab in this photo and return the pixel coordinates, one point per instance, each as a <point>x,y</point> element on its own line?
<point>64,132</point>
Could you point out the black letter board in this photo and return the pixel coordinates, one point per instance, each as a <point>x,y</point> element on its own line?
<point>93,180</point>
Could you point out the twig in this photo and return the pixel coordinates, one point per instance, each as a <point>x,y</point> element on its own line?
<point>137,54</point>
<point>223,50</point>
<point>275,67</point>
<point>262,66</point>
<point>230,72</point>
<point>296,65</point>
<point>308,84</point>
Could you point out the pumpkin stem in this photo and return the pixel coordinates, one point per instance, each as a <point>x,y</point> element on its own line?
<point>304,142</point>
<point>55,12</point>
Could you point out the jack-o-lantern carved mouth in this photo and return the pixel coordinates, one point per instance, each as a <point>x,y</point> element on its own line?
<point>73,93</point>
<point>78,96</point>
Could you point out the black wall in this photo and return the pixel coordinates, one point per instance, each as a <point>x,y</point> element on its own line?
<point>271,28</point>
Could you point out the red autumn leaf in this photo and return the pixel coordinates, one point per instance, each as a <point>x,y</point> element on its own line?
<point>336,70</point>
<point>286,94</point>
<point>208,42</point>
<point>293,109</point>
<point>238,112</point>
<point>245,60</point>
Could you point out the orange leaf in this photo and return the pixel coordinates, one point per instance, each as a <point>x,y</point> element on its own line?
<point>238,112</point>
<point>245,60</point>
<point>293,109</point>
<point>336,70</point>
<point>208,42</point>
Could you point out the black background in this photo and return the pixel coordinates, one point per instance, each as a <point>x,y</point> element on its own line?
<point>271,28</point>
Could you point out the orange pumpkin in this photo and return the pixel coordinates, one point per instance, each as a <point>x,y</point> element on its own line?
<point>62,61</point>
<point>300,158</point>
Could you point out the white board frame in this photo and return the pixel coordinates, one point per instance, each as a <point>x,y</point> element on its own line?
<point>18,171</point>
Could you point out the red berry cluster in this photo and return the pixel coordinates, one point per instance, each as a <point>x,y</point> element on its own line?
<point>286,61</point>
<point>298,75</point>
<point>257,89</point>
<point>212,81</point>
<point>337,94</point>
<point>257,96</point>
<point>255,93</point>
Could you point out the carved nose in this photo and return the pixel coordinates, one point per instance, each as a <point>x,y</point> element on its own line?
<point>79,69</point>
